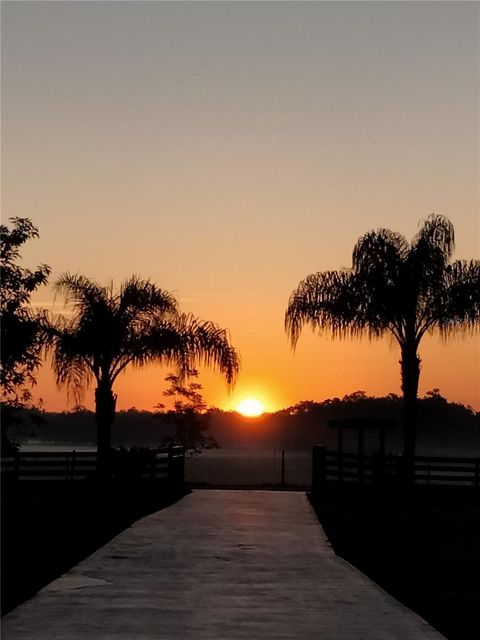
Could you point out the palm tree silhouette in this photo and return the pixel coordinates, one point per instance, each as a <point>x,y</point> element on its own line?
<point>397,288</point>
<point>137,325</point>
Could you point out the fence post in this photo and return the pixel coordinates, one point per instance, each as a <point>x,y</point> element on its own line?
<point>340,455</point>
<point>154,465</point>
<point>16,467</point>
<point>283,469</point>
<point>319,468</point>
<point>176,469</point>
<point>74,461</point>
<point>378,469</point>
<point>477,473</point>
<point>171,467</point>
<point>361,455</point>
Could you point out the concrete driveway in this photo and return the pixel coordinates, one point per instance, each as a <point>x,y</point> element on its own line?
<point>218,565</point>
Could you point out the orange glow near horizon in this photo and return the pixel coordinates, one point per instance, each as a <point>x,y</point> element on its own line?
<point>319,369</point>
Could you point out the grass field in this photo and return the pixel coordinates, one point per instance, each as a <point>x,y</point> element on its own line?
<point>422,546</point>
<point>244,466</point>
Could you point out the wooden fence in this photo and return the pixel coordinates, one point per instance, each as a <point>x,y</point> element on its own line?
<point>333,467</point>
<point>158,464</point>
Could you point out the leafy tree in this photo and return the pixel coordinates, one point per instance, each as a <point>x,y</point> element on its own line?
<point>137,325</point>
<point>22,330</point>
<point>189,415</point>
<point>394,288</point>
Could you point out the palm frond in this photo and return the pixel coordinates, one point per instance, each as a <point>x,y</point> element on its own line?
<point>139,296</point>
<point>160,341</point>
<point>328,300</point>
<point>460,302</point>
<point>72,368</point>
<point>210,345</point>
<point>182,341</point>
<point>78,290</point>
<point>379,253</point>
<point>436,235</point>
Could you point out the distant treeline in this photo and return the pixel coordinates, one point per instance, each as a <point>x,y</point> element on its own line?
<point>443,426</point>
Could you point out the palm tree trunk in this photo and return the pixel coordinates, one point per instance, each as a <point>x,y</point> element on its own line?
<point>410,367</point>
<point>105,405</point>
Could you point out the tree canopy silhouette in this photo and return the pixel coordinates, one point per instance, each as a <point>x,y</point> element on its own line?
<point>398,288</point>
<point>137,325</point>
<point>22,334</point>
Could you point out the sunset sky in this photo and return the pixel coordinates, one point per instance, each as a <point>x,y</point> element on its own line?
<point>226,150</point>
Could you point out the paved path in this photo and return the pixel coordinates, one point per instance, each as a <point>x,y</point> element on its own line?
<point>218,565</point>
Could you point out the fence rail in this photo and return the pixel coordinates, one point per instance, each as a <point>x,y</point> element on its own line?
<point>333,467</point>
<point>167,463</point>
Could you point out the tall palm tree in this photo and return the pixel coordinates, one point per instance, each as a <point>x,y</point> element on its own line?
<point>398,288</point>
<point>111,330</point>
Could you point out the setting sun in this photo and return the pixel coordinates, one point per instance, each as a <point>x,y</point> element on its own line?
<point>250,407</point>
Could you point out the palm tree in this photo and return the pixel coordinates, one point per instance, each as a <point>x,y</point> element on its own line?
<point>137,325</point>
<point>398,288</point>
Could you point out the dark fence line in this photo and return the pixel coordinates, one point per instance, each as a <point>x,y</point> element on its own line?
<point>157,464</point>
<point>333,467</point>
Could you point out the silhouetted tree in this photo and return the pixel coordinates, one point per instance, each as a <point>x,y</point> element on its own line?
<point>22,330</point>
<point>397,288</point>
<point>137,325</point>
<point>189,415</point>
